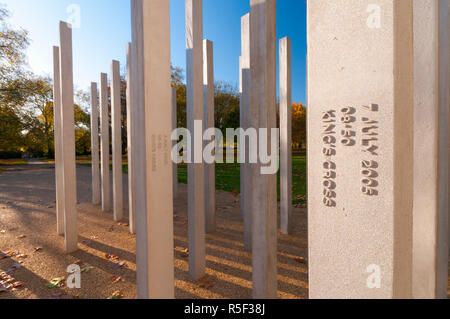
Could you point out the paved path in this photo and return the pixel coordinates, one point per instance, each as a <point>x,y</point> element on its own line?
<point>27,208</point>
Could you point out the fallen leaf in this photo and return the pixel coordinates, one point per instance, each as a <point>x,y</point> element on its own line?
<point>184,253</point>
<point>87,269</point>
<point>116,279</point>
<point>109,256</point>
<point>37,249</point>
<point>235,192</point>
<point>78,262</point>
<point>56,282</point>
<point>116,295</point>
<point>21,237</point>
<point>17,284</point>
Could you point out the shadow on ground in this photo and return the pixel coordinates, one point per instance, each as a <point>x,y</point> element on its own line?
<point>107,250</point>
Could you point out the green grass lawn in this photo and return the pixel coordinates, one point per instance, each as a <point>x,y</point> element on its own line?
<point>228,179</point>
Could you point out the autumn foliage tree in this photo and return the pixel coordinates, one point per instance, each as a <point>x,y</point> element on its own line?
<point>298,126</point>
<point>26,104</point>
<point>26,101</point>
<point>227,105</point>
<point>226,102</point>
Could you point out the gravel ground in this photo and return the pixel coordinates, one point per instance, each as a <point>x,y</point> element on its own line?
<point>107,250</point>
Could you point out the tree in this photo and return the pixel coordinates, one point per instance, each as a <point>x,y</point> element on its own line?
<point>38,119</point>
<point>26,101</point>
<point>299,125</point>
<point>226,102</point>
<point>82,126</point>
<point>39,112</point>
<point>11,139</point>
<point>83,141</point>
<point>177,82</point>
<point>123,111</point>
<point>227,106</point>
<point>13,44</point>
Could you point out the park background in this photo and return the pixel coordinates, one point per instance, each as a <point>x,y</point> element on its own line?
<point>29,29</point>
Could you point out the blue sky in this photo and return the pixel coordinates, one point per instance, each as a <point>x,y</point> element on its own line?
<point>105,29</point>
